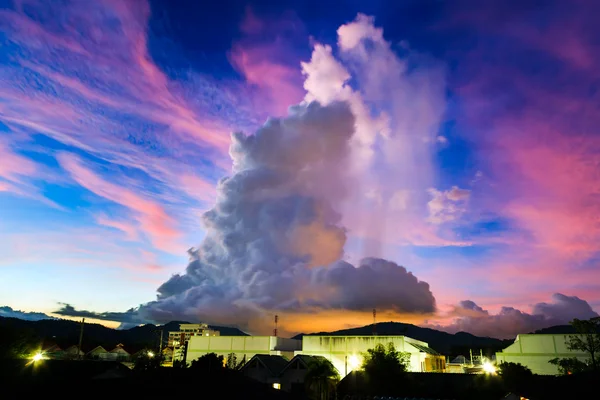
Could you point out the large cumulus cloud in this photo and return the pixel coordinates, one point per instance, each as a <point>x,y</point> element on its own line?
<point>273,239</point>
<point>509,321</point>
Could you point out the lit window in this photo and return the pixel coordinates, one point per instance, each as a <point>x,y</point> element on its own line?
<point>277,386</point>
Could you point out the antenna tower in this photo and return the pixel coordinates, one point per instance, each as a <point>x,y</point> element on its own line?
<point>275,330</point>
<point>374,322</point>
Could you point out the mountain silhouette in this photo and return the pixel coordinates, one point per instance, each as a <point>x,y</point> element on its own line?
<point>65,333</point>
<point>446,343</point>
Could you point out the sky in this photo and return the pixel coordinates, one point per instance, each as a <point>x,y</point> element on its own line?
<point>436,161</point>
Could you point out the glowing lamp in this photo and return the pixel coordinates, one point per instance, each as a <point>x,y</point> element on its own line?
<point>150,354</point>
<point>489,368</point>
<point>277,386</point>
<point>353,361</point>
<point>37,357</point>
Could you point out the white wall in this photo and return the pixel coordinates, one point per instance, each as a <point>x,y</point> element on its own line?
<point>346,352</point>
<point>241,345</point>
<point>534,351</point>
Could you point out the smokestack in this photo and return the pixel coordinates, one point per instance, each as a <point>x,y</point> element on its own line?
<point>374,322</point>
<point>275,330</point>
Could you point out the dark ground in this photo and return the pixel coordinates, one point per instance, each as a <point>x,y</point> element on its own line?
<point>477,387</point>
<point>58,379</point>
<point>63,379</point>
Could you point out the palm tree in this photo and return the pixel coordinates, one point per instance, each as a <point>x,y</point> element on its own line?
<point>321,378</point>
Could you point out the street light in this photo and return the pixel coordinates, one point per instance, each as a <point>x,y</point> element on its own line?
<point>489,368</point>
<point>37,357</point>
<point>150,354</point>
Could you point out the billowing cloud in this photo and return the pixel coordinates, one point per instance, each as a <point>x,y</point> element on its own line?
<point>510,321</point>
<point>8,312</point>
<point>273,237</point>
<point>565,308</point>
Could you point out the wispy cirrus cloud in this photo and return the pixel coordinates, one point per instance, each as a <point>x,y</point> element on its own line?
<point>536,138</point>
<point>153,219</point>
<point>265,58</point>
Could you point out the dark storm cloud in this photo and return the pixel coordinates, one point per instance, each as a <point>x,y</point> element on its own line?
<point>8,312</point>
<point>129,317</point>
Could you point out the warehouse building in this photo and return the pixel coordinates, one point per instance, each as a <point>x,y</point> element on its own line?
<point>244,347</point>
<point>346,352</point>
<point>536,350</point>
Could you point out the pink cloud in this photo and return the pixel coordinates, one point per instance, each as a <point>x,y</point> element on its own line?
<point>263,57</point>
<point>152,217</point>
<point>198,188</point>
<point>14,166</point>
<point>87,67</point>
<point>123,226</point>
<point>535,135</point>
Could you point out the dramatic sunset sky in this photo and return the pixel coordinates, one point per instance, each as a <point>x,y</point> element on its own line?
<point>228,161</point>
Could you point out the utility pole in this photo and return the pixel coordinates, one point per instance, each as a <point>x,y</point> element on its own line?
<point>79,355</point>
<point>471,353</point>
<point>161,341</point>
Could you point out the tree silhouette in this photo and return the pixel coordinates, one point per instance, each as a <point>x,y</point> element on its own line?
<point>321,379</point>
<point>18,343</point>
<point>516,377</point>
<point>384,368</point>
<point>587,340</point>
<point>233,363</point>
<point>568,366</point>
<point>209,363</point>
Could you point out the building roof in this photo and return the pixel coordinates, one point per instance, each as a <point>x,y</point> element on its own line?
<point>302,358</point>
<point>100,348</point>
<point>424,349</point>
<point>275,364</point>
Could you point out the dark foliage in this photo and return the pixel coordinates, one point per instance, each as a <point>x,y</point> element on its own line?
<point>321,379</point>
<point>385,368</point>
<point>568,366</point>
<point>516,377</point>
<point>209,363</point>
<point>588,339</point>
<point>148,360</point>
<point>18,342</point>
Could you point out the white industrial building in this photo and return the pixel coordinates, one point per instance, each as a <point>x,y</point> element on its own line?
<point>536,350</point>
<point>244,347</point>
<point>346,352</point>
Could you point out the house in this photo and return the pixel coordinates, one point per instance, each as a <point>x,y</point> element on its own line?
<point>98,353</point>
<point>293,374</point>
<point>53,352</point>
<point>72,352</point>
<point>119,354</point>
<point>265,368</point>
